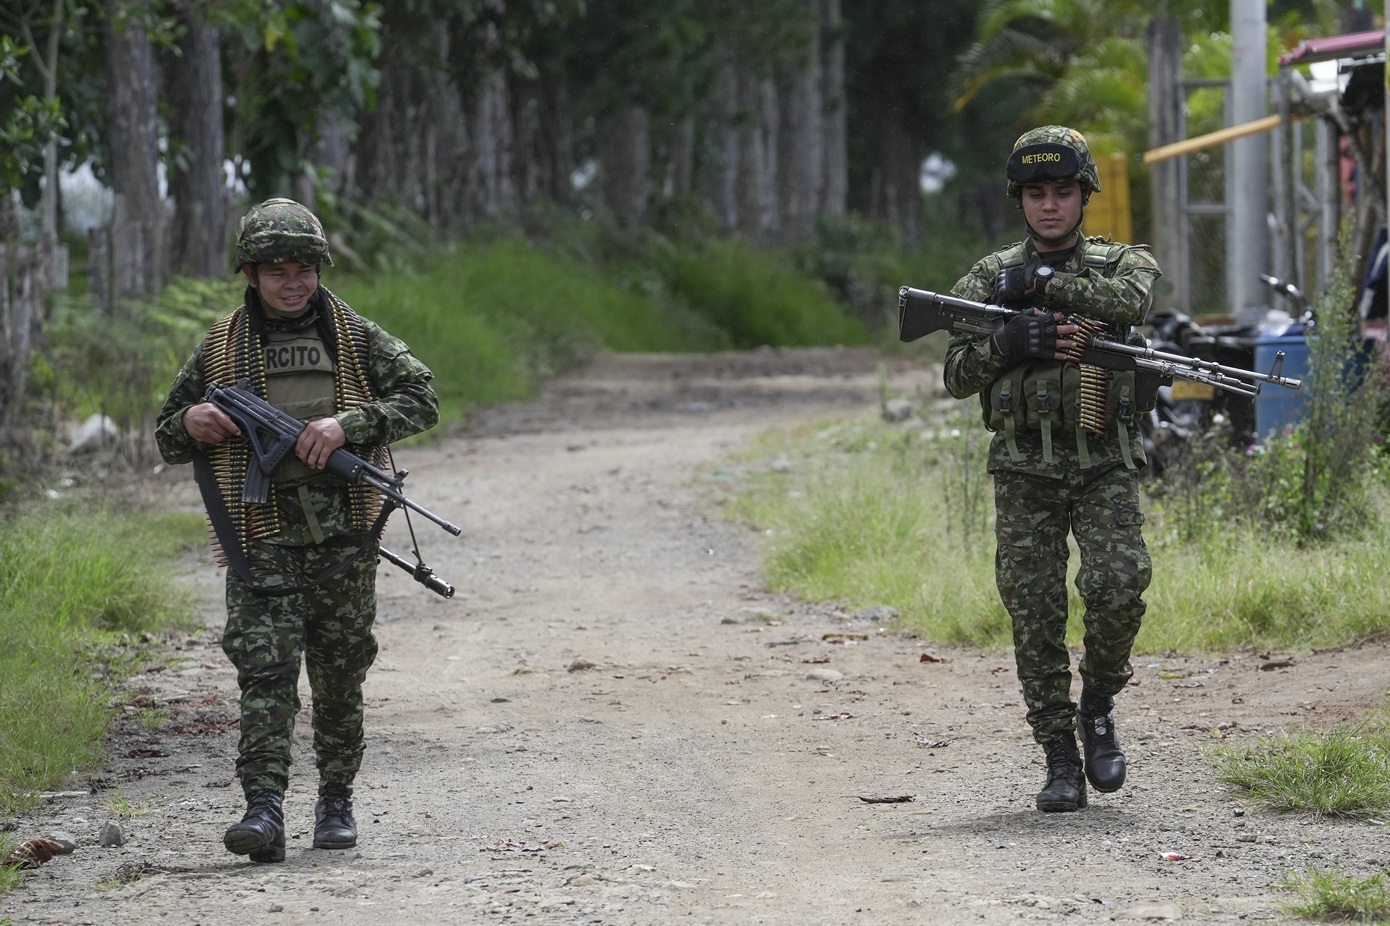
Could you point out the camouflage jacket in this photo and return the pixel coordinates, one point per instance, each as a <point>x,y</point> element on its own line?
<point>1109,282</point>
<point>406,404</point>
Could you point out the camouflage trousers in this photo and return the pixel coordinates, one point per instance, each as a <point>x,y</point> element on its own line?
<point>1034,515</point>
<point>330,626</point>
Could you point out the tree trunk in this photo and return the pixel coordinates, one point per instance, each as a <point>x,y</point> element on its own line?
<point>376,146</point>
<point>51,210</point>
<point>897,191</point>
<point>21,272</point>
<point>544,143</point>
<point>720,177</point>
<point>835,190</point>
<point>199,234</point>
<point>1165,127</point>
<point>680,162</point>
<point>136,208</point>
<point>757,181</point>
<point>800,155</point>
<point>557,148</point>
<point>625,152</point>
<point>492,187</point>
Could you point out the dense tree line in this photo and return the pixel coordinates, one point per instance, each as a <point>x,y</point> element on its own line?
<point>481,110</point>
<point>756,119</point>
<point>766,115</point>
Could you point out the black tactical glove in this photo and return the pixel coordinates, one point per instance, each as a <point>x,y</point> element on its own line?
<point>1011,286</point>
<point>1015,287</point>
<point>1030,333</point>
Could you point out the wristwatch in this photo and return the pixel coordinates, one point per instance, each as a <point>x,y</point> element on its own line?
<point>1041,278</point>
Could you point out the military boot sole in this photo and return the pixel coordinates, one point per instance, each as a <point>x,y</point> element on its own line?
<point>254,845</point>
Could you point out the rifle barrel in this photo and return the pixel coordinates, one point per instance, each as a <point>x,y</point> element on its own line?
<point>390,490</point>
<point>1179,360</point>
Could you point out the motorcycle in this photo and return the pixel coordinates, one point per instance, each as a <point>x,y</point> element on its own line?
<point>1188,411</point>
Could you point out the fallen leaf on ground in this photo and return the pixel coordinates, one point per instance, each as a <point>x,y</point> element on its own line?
<point>896,799</point>
<point>33,853</point>
<point>843,637</point>
<point>928,657</point>
<point>931,744</point>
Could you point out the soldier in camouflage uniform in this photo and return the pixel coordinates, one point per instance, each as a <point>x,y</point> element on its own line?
<point>312,556</point>
<point>1064,456</point>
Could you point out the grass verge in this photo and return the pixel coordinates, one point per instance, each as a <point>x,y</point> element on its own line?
<point>900,515</point>
<point>1343,772</point>
<point>79,581</point>
<point>1326,895</point>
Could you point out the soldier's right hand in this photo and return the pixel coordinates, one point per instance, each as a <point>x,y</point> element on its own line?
<point>1033,333</point>
<point>208,424</point>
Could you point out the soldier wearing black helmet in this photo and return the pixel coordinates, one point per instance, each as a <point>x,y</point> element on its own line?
<point>310,553</point>
<point>1065,454</point>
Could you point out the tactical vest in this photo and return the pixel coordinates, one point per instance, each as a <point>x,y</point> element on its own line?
<point>1055,397</point>
<point>294,371</point>
<point>298,380</point>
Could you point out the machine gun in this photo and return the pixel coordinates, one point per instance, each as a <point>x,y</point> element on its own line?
<point>920,312</point>
<point>271,434</point>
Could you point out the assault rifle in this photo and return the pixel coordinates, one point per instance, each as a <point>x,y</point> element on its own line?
<point>271,435</point>
<point>920,312</point>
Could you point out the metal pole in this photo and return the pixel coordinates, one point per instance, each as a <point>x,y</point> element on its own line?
<point>1248,234</point>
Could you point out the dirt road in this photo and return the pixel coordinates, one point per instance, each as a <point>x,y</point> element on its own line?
<point>612,723</point>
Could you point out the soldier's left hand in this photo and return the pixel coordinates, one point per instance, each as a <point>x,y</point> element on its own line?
<point>318,441</point>
<point>1014,285</point>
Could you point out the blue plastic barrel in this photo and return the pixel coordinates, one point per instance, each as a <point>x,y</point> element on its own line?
<point>1275,406</point>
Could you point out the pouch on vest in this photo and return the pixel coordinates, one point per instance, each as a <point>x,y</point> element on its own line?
<point>1045,403</point>
<point>1003,406</point>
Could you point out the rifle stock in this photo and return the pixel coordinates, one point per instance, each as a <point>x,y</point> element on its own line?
<point>921,312</point>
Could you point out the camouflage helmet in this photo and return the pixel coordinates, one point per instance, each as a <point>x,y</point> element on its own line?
<point>1048,154</point>
<point>281,231</point>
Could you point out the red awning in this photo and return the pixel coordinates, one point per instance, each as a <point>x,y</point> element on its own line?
<point>1351,45</point>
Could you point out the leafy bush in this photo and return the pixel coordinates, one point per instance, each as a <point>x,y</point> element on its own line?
<point>756,297</point>
<point>1312,482</point>
<point>121,364</point>
<point>494,320</point>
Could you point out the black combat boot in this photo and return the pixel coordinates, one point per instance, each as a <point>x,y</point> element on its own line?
<point>1105,763</point>
<point>261,832</point>
<point>1066,786</point>
<point>334,825</point>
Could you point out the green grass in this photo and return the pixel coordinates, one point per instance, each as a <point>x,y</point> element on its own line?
<point>868,513</point>
<point>77,581</point>
<point>1343,772</point>
<point>493,321</point>
<point>1326,895</point>
<point>756,297</point>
